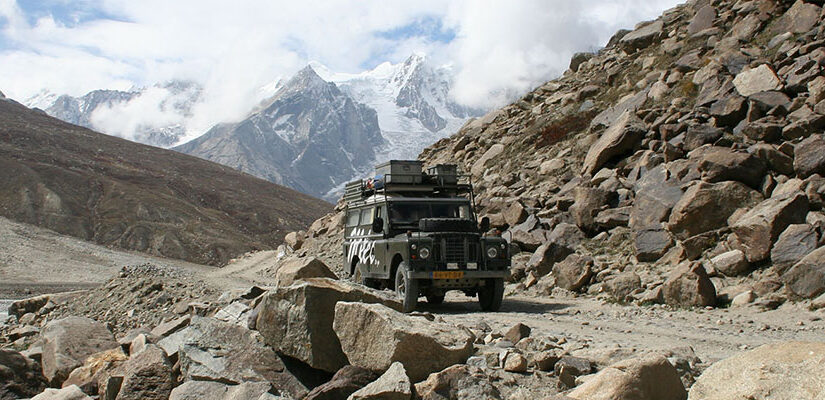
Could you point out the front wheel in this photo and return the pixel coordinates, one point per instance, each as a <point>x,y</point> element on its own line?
<point>407,289</point>
<point>490,295</point>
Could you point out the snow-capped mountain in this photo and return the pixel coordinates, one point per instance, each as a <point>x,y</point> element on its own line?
<point>155,115</point>
<point>412,101</point>
<point>310,136</point>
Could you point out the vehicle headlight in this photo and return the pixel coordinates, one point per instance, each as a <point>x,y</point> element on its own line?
<point>424,253</point>
<point>492,252</point>
<point>413,246</point>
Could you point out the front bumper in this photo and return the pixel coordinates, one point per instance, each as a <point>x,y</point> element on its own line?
<point>466,274</point>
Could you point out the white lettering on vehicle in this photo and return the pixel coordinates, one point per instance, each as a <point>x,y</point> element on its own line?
<point>363,248</point>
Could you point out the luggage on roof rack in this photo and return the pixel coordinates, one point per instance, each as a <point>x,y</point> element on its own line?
<point>406,178</point>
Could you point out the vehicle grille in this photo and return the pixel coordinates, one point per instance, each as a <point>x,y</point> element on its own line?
<point>457,249</point>
<point>454,249</point>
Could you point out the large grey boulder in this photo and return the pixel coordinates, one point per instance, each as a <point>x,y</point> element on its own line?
<point>642,37</point>
<point>793,244</point>
<point>68,341</point>
<point>587,205</point>
<point>728,111</point>
<point>759,228</point>
<point>392,385</point>
<point>651,244</point>
<point>487,159</point>
<point>561,242</point>
<point>809,156</point>
<point>754,80</point>
<point>622,136</point>
<point>295,269</point>
<point>297,320</point>
<point>730,263</point>
<point>806,279</point>
<point>147,375</point>
<point>213,350</point>
<point>210,390</point>
<point>648,377</point>
<point>374,336</point>
<point>657,192</point>
<point>719,164</point>
<point>20,376</point>
<point>800,18</point>
<point>689,286</point>
<point>574,272</point>
<point>707,206</point>
<point>778,371</point>
<point>702,20</point>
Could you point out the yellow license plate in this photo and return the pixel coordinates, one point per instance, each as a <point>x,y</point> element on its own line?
<point>448,274</point>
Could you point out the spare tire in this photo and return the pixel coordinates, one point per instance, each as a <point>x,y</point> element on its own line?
<point>446,225</point>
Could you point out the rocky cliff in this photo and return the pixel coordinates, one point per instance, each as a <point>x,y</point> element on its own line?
<point>123,194</point>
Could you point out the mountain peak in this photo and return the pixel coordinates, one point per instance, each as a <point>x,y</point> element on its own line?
<point>306,78</point>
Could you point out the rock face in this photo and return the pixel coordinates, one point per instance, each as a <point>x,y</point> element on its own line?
<point>392,385</point>
<point>21,376</point>
<point>759,228</point>
<point>622,136</point>
<point>374,336</point>
<point>296,269</point>
<point>689,286</point>
<point>779,371</point>
<point>213,350</point>
<point>67,342</point>
<point>297,320</point>
<point>651,377</point>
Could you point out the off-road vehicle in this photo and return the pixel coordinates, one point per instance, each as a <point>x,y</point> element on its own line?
<point>416,232</point>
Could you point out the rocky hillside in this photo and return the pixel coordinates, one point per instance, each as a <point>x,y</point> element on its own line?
<point>122,194</point>
<point>309,136</point>
<point>683,163</point>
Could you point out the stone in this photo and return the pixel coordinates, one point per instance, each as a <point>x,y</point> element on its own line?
<point>21,307</point>
<point>237,313</point>
<point>623,285</point>
<point>806,279</point>
<point>763,131</point>
<point>656,193</point>
<point>515,362</point>
<point>374,336</point>
<point>729,110</point>
<point>569,367</point>
<point>758,229</point>
<point>622,136</point>
<point>517,332</point>
<point>68,342</point>
<point>297,320</point>
<point>147,375</point>
<point>486,159</point>
<point>707,206</point>
<point>689,286</point>
<point>793,245</point>
<point>775,159</point>
<point>96,369</point>
<point>776,371</point>
<point>702,20</point>
<point>578,59</point>
<point>209,390</point>
<point>546,360</point>
<point>67,393</point>
<point>461,382</point>
<point>754,80</point>
<point>295,269</point>
<point>699,135</point>
<point>561,242</point>
<point>550,166</point>
<point>642,37</point>
<point>587,205</point>
<point>20,376</point>
<point>169,327</point>
<point>809,156</point>
<point>771,99</point>
<point>294,240</point>
<point>816,90</point>
<point>743,299</point>
<point>730,263</point>
<point>574,272</point>
<point>804,127</point>
<point>515,213</point>
<point>651,244</point>
<point>345,382</point>
<point>394,384</point>
<point>800,18</point>
<point>613,217</point>
<point>719,164</point>
<point>222,352</point>
<point>610,116</point>
<point>647,377</point>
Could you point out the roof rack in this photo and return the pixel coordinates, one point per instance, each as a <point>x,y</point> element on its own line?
<point>405,178</point>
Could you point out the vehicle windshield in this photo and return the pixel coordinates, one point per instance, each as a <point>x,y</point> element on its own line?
<point>410,213</point>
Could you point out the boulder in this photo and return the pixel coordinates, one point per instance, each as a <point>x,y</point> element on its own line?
<point>656,193</point>
<point>622,136</point>
<point>578,59</point>
<point>642,37</point>
<point>561,242</point>
<point>775,159</point>
<point>764,131</point>
<point>731,263</point>
<point>68,341</point>
<point>689,286</point>
<point>295,269</point>
<point>67,393</point>
<point>777,371</point>
<point>213,350</point>
<point>96,369</point>
<point>651,244</point>
<point>806,279</point>
<point>754,80</point>
<point>729,110</point>
<point>568,368</point>
<point>169,327</point>
<point>702,20</point>
<point>374,336</point>
<point>800,18</point>
<point>574,272</point>
<point>392,385</point>
<point>648,377</point>
<point>460,382</point>
<point>809,156</point>
<point>719,164</point>
<point>20,376</point>
<point>297,320</point>
<point>623,285</point>
<point>147,376</point>
<point>294,240</point>
<point>793,244</point>
<point>587,205</point>
<point>209,390</point>
<point>758,229</point>
<point>707,206</point>
<point>517,332</point>
<point>699,135</point>
<point>610,116</point>
<point>345,382</point>
<point>515,213</point>
<point>486,159</point>
<point>515,362</point>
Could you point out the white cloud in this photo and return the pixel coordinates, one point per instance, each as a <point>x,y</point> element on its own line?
<point>234,48</point>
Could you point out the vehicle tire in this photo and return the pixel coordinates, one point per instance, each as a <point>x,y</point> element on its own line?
<point>407,289</point>
<point>490,295</point>
<point>435,299</point>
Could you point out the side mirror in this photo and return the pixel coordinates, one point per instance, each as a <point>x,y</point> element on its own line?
<point>485,225</point>
<point>378,225</point>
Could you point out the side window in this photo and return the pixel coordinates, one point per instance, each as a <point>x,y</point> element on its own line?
<point>352,218</point>
<point>366,216</point>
